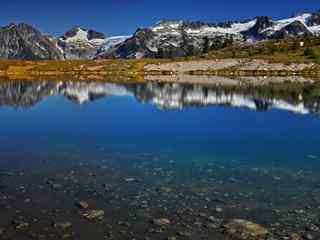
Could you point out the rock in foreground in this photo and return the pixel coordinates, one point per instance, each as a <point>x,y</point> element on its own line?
<point>244,229</point>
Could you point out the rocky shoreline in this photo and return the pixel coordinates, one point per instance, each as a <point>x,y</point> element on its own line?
<point>233,67</point>
<point>150,69</point>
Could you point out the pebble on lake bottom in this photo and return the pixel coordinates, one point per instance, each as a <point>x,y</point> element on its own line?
<point>62,225</point>
<point>94,214</point>
<point>161,222</point>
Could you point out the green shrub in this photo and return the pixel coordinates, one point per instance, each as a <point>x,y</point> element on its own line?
<point>309,52</point>
<point>313,54</point>
<point>187,58</point>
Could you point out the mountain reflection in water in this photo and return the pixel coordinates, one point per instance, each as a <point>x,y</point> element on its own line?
<point>299,99</point>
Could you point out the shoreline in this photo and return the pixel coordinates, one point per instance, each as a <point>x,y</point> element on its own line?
<point>234,67</point>
<point>144,69</point>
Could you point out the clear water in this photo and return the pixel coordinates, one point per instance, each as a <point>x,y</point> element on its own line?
<point>253,149</point>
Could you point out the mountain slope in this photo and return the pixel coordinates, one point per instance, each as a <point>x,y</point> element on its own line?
<point>80,43</point>
<point>179,38</point>
<point>21,41</point>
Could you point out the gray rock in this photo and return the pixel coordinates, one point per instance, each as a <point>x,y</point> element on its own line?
<point>219,209</point>
<point>82,204</point>
<point>20,224</point>
<point>54,185</point>
<point>130,179</point>
<point>62,225</point>
<point>184,234</point>
<point>93,214</point>
<point>161,221</point>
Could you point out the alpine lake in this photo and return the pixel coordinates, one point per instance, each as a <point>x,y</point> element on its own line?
<point>102,160</point>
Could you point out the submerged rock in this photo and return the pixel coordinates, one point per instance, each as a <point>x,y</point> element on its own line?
<point>161,222</point>
<point>62,225</point>
<point>219,209</point>
<point>54,185</point>
<point>130,179</point>
<point>93,214</point>
<point>20,224</point>
<point>244,229</point>
<point>82,204</point>
<point>184,234</point>
<point>171,238</point>
<point>309,237</point>
<point>295,236</point>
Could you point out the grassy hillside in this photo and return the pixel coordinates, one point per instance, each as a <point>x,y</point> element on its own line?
<point>74,69</point>
<point>298,50</point>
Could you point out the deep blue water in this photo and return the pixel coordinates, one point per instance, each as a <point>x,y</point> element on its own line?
<point>277,138</point>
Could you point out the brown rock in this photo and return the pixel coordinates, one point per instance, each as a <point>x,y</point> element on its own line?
<point>244,229</point>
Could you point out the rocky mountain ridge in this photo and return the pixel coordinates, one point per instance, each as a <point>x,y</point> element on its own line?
<point>22,41</point>
<point>167,38</point>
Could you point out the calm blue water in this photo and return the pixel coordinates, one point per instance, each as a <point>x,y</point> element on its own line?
<point>192,132</point>
<point>144,151</point>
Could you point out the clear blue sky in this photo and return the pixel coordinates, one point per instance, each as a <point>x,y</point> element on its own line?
<point>115,17</point>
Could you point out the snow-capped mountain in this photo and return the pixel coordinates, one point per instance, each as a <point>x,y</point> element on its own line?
<point>111,44</point>
<point>167,38</point>
<point>80,43</point>
<point>180,38</point>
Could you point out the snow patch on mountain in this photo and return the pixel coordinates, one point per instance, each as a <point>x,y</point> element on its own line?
<point>111,42</point>
<point>235,28</point>
<point>282,23</point>
<point>166,26</point>
<point>315,30</point>
<point>81,35</point>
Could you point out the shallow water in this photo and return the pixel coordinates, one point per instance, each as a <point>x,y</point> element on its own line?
<point>145,151</point>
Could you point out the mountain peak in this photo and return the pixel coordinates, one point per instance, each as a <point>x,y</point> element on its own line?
<point>301,14</point>
<point>92,34</point>
<point>20,26</point>
<point>166,23</point>
<point>82,34</point>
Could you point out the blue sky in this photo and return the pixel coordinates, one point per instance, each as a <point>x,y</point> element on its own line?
<point>120,17</point>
